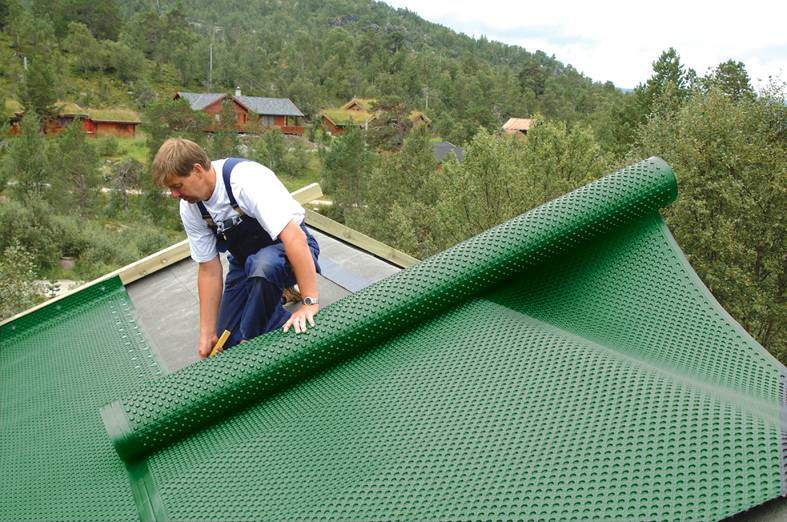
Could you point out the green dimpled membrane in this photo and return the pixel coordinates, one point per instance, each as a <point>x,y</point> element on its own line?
<point>58,366</point>
<point>567,364</point>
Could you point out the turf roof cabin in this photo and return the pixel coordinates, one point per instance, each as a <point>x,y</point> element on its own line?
<point>252,112</point>
<point>117,122</point>
<point>359,112</point>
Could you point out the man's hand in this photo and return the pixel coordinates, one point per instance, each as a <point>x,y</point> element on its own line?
<point>299,317</point>
<point>206,344</point>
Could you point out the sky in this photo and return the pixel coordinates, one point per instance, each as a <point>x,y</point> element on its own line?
<point>610,40</point>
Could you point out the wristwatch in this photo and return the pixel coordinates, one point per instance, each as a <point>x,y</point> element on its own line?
<point>310,300</point>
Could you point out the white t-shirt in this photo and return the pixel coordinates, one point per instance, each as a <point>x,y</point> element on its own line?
<point>259,194</point>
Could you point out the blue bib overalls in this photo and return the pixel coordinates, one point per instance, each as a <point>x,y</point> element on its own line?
<point>258,273</point>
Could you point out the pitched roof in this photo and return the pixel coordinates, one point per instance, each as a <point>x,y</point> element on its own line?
<point>442,149</point>
<point>114,115</point>
<point>66,108</point>
<point>418,115</point>
<point>365,104</point>
<point>200,100</point>
<point>269,106</point>
<point>12,108</point>
<point>345,117</point>
<point>517,124</point>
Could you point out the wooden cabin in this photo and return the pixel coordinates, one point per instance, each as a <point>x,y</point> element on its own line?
<point>252,112</point>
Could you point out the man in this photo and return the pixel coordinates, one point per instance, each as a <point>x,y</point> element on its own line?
<point>240,206</point>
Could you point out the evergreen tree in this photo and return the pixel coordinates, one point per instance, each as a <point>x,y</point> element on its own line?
<point>269,149</point>
<point>223,142</point>
<point>126,176</point>
<point>344,171</point>
<point>730,78</point>
<point>390,126</point>
<point>162,120</point>
<point>78,179</point>
<point>503,176</point>
<point>25,161</point>
<point>36,91</point>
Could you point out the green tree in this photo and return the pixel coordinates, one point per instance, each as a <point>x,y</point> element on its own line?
<point>285,157</point>
<point>162,120</point>
<point>503,176</point>
<point>36,91</point>
<point>730,78</point>
<point>223,142</point>
<point>17,276</point>
<point>29,223</point>
<point>730,156</point>
<point>85,52</point>
<point>560,159</point>
<point>398,205</point>
<point>489,187</point>
<point>127,63</point>
<point>102,18</point>
<point>269,149</point>
<point>344,170</point>
<point>78,179</point>
<point>126,176</point>
<point>25,161</point>
<point>390,126</point>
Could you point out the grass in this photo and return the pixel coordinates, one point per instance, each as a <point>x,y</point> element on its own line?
<point>135,147</point>
<point>310,175</point>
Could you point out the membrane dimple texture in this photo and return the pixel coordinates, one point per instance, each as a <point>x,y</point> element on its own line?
<point>57,367</point>
<point>164,411</point>
<point>566,365</point>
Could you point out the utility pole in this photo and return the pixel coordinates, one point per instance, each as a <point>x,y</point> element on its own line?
<point>214,29</point>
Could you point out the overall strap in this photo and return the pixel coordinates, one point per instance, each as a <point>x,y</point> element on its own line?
<point>206,216</point>
<point>226,170</point>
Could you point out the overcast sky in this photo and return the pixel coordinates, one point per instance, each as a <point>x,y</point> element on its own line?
<point>618,41</point>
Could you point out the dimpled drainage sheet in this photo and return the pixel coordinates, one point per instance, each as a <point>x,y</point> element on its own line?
<point>567,364</point>
<point>58,366</point>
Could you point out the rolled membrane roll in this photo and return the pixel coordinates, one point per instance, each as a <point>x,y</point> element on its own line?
<point>164,411</point>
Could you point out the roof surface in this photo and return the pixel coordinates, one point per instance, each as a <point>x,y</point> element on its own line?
<point>167,307</point>
<point>269,106</point>
<point>341,117</point>
<point>114,115</point>
<point>365,104</point>
<point>200,100</point>
<point>517,124</point>
<point>442,149</point>
<point>567,363</point>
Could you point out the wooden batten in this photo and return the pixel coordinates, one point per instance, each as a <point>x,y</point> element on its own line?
<point>355,238</point>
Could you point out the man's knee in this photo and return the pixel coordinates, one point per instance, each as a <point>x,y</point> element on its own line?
<point>270,264</point>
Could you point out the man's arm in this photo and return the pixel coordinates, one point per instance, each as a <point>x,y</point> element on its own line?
<point>300,257</point>
<point>209,283</point>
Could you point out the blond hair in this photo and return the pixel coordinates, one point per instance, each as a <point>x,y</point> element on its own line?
<point>177,156</point>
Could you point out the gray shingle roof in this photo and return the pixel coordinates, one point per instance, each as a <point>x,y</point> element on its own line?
<point>200,100</point>
<point>441,149</point>
<point>269,106</point>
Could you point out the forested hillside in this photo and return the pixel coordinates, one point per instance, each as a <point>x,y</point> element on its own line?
<point>317,53</point>
<point>68,195</point>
